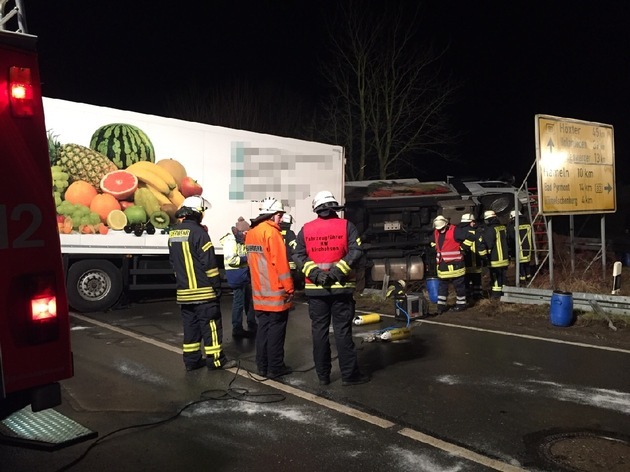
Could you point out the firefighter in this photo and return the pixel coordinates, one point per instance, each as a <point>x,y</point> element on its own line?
<point>192,257</point>
<point>525,244</point>
<point>290,241</point>
<point>328,248</point>
<point>495,238</point>
<point>272,287</point>
<point>237,275</point>
<point>447,241</point>
<point>474,253</point>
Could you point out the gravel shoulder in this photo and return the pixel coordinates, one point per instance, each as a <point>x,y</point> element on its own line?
<point>533,320</point>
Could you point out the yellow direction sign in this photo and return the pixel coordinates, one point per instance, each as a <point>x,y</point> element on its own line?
<point>576,166</point>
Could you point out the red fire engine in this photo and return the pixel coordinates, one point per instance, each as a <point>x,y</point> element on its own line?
<point>35,349</point>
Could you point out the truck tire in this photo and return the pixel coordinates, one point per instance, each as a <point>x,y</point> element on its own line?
<point>93,285</point>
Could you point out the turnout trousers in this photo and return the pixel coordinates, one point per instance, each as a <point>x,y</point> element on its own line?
<point>272,329</point>
<point>202,321</point>
<point>459,284</point>
<point>242,302</point>
<point>340,310</point>
<point>499,279</point>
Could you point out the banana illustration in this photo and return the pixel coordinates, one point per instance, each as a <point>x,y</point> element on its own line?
<point>152,167</point>
<point>176,197</point>
<point>150,178</point>
<point>161,198</point>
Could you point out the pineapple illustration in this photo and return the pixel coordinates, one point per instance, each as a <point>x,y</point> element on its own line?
<point>80,162</point>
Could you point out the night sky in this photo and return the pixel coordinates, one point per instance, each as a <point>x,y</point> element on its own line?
<point>513,59</point>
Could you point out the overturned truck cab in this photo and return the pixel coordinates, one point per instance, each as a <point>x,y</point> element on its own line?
<point>395,217</point>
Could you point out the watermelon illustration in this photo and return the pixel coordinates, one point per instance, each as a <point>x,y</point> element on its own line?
<point>119,183</point>
<point>124,144</point>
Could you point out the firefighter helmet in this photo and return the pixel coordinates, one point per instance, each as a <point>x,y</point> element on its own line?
<point>489,214</point>
<point>287,219</point>
<point>440,222</point>
<point>513,214</point>
<point>468,217</point>
<point>325,199</point>
<point>270,205</point>
<point>195,205</point>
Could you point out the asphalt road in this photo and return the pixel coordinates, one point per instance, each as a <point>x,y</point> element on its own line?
<point>448,398</point>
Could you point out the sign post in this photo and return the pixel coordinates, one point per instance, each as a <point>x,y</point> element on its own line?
<point>576,168</point>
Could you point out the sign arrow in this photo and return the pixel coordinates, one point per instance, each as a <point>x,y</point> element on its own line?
<point>550,144</point>
<point>608,187</point>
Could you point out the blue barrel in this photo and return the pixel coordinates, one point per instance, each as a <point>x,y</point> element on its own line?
<point>561,311</point>
<point>432,288</point>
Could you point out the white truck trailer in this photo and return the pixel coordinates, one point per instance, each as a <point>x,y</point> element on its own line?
<point>236,169</point>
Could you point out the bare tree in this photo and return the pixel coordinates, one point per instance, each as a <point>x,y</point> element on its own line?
<point>388,95</point>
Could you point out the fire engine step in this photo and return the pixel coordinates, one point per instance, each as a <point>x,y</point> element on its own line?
<point>48,430</point>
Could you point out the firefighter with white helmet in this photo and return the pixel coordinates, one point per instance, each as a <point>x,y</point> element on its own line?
<point>474,253</point>
<point>495,238</point>
<point>192,257</point>
<point>328,250</point>
<point>449,259</point>
<point>525,244</point>
<point>272,287</point>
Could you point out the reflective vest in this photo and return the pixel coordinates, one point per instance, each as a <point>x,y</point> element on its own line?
<point>235,261</point>
<point>326,242</point>
<point>449,257</point>
<point>268,267</point>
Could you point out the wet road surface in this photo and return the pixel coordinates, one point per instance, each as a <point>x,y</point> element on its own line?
<point>448,398</point>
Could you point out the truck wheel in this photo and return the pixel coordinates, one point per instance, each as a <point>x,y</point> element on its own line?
<point>93,285</point>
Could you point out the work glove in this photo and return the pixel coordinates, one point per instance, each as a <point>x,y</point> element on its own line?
<point>318,276</point>
<point>288,298</point>
<point>322,278</point>
<point>336,275</point>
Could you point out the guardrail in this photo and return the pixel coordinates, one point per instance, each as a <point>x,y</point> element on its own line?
<point>610,304</point>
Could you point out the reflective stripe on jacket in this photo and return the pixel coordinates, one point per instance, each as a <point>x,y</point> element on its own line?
<point>290,242</point>
<point>192,257</point>
<point>268,267</point>
<point>525,235</point>
<point>495,237</point>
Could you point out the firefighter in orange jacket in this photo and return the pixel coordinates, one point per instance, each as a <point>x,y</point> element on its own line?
<point>272,287</point>
<point>451,267</point>
<point>327,250</point>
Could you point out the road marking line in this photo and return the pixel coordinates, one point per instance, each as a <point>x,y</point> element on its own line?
<point>131,334</point>
<point>459,451</point>
<point>528,336</point>
<point>343,409</point>
<point>516,335</point>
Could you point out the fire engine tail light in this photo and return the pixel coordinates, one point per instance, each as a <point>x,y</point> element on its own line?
<point>21,91</point>
<point>43,308</point>
<point>41,317</point>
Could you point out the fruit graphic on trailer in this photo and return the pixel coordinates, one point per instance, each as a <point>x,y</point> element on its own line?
<point>119,183</point>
